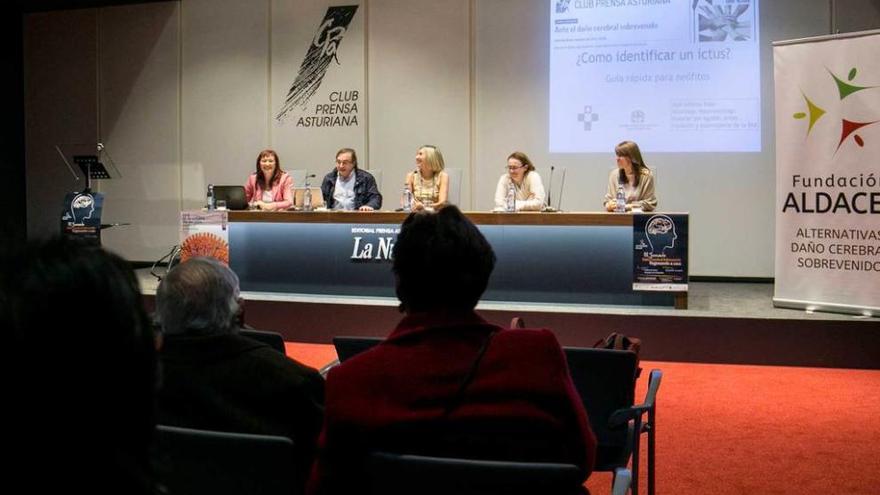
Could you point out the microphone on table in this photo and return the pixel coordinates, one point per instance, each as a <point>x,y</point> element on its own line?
<point>561,190</point>
<point>549,206</point>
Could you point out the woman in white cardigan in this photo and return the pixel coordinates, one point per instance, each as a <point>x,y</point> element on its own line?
<point>530,194</point>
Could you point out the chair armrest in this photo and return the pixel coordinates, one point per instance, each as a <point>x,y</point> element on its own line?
<point>327,367</point>
<point>653,387</point>
<point>622,481</point>
<point>621,416</point>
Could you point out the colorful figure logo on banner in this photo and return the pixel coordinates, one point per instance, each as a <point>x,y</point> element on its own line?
<point>847,127</point>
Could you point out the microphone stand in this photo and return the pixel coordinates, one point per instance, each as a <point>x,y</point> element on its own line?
<point>549,206</point>
<point>561,188</point>
<point>307,191</point>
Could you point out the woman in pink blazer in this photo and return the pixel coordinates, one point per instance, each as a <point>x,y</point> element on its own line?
<point>269,188</point>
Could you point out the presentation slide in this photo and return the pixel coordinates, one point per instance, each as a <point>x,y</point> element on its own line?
<point>671,75</point>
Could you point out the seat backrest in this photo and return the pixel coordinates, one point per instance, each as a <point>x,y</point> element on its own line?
<point>196,462</point>
<point>274,339</point>
<point>348,347</point>
<point>605,381</point>
<point>392,474</point>
<point>453,194</point>
<point>554,184</point>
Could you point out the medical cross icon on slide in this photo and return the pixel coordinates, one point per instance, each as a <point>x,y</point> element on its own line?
<point>588,117</point>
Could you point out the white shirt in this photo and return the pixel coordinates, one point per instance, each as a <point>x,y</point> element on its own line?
<point>343,193</point>
<point>530,195</point>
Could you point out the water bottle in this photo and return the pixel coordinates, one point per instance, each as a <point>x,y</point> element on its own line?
<point>620,207</point>
<point>211,203</point>
<point>406,199</point>
<point>307,199</point>
<point>510,204</point>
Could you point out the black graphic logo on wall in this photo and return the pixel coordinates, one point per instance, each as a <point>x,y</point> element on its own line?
<point>321,52</point>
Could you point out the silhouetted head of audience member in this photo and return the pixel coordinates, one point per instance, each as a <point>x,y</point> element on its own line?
<point>83,376</point>
<point>441,262</point>
<point>199,297</point>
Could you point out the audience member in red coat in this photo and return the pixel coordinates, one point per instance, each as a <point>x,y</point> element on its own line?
<point>446,382</point>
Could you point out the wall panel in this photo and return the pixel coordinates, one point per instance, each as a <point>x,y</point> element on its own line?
<point>419,86</point>
<point>224,92</point>
<point>139,67</point>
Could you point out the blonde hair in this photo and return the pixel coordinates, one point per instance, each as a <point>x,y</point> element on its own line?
<point>433,158</point>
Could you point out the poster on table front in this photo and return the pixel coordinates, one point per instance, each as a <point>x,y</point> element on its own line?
<point>827,172</point>
<point>660,248</point>
<point>204,233</point>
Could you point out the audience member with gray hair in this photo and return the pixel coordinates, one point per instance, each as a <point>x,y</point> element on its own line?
<point>216,379</point>
<point>202,299</point>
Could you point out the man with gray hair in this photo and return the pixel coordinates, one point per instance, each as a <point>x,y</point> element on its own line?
<point>216,379</point>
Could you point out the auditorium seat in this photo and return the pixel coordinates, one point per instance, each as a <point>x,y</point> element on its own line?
<point>605,381</point>
<point>201,462</point>
<point>348,347</point>
<point>274,339</point>
<point>399,474</point>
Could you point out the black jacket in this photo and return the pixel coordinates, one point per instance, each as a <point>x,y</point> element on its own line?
<point>237,384</point>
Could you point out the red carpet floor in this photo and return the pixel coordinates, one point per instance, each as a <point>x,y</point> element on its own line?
<point>726,429</point>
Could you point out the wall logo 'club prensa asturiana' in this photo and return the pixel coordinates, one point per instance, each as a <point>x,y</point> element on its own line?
<point>322,51</point>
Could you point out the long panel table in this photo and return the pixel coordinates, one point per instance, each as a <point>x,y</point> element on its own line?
<point>568,258</point>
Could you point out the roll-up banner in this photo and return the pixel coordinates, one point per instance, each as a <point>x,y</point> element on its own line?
<point>828,173</point>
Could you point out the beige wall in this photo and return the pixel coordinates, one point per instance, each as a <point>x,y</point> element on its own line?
<point>224,84</point>
<point>419,86</point>
<point>184,93</point>
<point>139,106</point>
